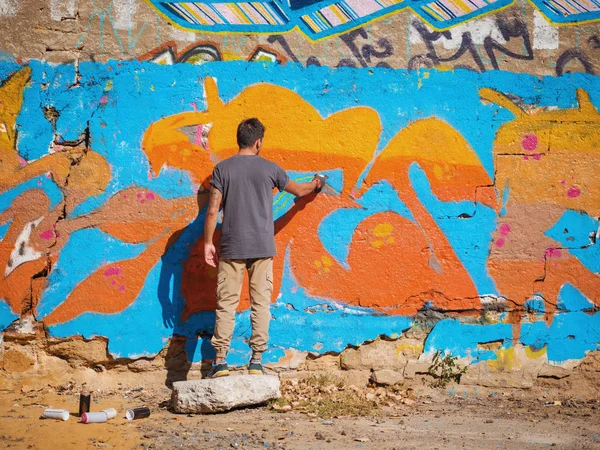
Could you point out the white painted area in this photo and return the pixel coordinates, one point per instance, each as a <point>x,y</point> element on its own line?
<point>9,7</point>
<point>62,8</point>
<point>479,29</point>
<point>181,35</point>
<point>413,35</point>
<point>123,12</point>
<point>545,36</point>
<point>25,325</point>
<point>21,246</point>
<point>165,58</point>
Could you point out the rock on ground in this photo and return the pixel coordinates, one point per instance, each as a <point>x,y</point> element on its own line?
<point>387,377</point>
<point>223,394</point>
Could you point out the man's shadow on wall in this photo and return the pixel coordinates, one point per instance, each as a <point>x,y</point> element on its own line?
<point>187,292</point>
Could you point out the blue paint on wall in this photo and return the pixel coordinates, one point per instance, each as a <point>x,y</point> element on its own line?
<point>576,231</point>
<point>462,339</point>
<point>470,237</point>
<point>6,315</point>
<point>42,183</point>
<point>571,299</point>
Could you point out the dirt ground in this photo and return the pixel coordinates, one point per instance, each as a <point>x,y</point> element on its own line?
<point>452,418</point>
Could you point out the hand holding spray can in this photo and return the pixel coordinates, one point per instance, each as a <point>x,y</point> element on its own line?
<point>322,181</point>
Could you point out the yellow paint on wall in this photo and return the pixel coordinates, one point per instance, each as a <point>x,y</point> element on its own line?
<point>534,354</point>
<point>431,140</point>
<point>11,99</point>
<point>414,348</point>
<point>505,359</point>
<point>383,230</point>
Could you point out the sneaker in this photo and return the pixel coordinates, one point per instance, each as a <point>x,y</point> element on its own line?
<point>219,370</point>
<point>255,368</point>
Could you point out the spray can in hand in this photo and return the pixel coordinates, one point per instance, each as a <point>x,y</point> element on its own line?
<point>322,181</point>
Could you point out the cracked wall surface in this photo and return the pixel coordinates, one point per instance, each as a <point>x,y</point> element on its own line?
<point>462,207</point>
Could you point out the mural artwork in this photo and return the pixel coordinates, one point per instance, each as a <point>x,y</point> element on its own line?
<point>476,203</point>
<point>319,19</point>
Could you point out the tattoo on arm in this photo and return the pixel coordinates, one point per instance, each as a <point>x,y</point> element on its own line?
<point>215,200</point>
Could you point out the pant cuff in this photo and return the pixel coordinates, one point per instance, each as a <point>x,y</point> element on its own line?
<point>221,354</point>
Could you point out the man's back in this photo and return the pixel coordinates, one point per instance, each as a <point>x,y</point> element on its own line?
<point>246,183</point>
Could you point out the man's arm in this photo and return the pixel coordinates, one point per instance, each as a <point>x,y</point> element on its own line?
<point>210,224</point>
<point>302,189</point>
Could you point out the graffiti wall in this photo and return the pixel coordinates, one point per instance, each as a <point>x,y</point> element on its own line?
<point>463,191</point>
<point>478,203</point>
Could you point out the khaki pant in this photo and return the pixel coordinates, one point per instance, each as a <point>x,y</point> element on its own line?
<point>229,286</point>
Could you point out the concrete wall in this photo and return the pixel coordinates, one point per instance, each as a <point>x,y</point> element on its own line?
<point>464,202</point>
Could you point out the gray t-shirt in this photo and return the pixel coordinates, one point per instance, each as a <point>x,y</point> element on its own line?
<point>247,183</point>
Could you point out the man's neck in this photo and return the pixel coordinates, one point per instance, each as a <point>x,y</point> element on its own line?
<point>247,151</point>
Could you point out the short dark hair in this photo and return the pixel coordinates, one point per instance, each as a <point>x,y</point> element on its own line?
<point>249,131</point>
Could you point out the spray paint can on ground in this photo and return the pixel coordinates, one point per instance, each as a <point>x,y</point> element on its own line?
<point>85,400</point>
<point>111,413</point>
<point>94,417</point>
<point>137,413</point>
<point>62,414</point>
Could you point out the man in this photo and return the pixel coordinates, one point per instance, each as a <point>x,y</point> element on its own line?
<point>243,186</point>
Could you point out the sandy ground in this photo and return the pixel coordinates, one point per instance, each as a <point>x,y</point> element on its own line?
<point>452,418</point>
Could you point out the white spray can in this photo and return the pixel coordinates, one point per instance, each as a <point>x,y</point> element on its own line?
<point>94,417</point>
<point>111,413</point>
<point>61,414</point>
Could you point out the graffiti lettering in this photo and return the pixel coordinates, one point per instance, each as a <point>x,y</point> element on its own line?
<point>509,29</point>
<point>430,37</point>
<point>364,54</point>
<point>201,52</point>
<point>570,55</point>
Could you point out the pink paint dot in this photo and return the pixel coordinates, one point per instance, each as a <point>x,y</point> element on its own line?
<point>114,282</point>
<point>112,271</point>
<point>122,288</point>
<point>48,234</point>
<point>537,156</point>
<point>529,142</point>
<point>526,158</point>
<point>552,252</point>
<point>140,195</point>
<point>150,196</point>
<point>142,201</point>
<point>573,192</point>
<point>124,196</point>
<point>504,229</point>
<point>563,181</point>
<point>104,100</point>
<point>500,242</point>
